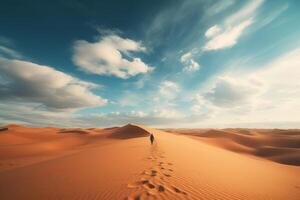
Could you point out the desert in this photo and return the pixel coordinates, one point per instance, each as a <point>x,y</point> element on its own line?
<point>121,163</point>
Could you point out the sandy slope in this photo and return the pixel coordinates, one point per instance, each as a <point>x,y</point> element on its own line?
<point>281,146</point>
<point>112,164</point>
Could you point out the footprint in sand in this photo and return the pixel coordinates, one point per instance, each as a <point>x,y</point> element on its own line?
<point>161,171</point>
<point>144,182</point>
<point>150,186</point>
<point>179,191</point>
<point>153,173</point>
<point>161,188</point>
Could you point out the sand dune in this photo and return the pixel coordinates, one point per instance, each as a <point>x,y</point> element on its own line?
<point>127,132</point>
<point>120,163</point>
<point>282,146</point>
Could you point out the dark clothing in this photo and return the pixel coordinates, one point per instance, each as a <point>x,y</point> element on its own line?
<point>152,138</point>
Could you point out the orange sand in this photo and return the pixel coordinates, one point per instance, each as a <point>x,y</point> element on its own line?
<point>120,163</point>
<point>282,146</point>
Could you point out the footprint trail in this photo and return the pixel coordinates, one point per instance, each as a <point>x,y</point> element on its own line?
<point>156,182</point>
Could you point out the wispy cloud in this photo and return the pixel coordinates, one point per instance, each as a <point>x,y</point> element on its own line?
<point>219,6</point>
<point>245,12</point>
<point>274,14</point>
<point>8,52</point>
<point>226,35</point>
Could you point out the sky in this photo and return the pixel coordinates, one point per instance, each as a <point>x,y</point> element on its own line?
<point>160,63</point>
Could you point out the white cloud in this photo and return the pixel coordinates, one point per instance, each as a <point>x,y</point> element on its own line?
<point>200,105</point>
<point>190,65</point>
<point>108,56</point>
<point>24,114</point>
<point>232,91</point>
<point>284,70</point>
<point>20,113</point>
<point>168,89</point>
<point>266,95</point>
<point>212,31</point>
<point>227,34</point>
<point>24,81</point>
<point>186,57</point>
<point>228,37</point>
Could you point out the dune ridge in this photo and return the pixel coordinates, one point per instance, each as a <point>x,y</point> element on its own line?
<point>128,131</point>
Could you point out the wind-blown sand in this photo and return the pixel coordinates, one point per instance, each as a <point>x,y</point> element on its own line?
<point>120,163</point>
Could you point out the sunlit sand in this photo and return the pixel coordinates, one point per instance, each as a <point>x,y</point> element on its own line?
<point>121,163</point>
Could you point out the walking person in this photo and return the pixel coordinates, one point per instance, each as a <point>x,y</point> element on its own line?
<point>151,138</point>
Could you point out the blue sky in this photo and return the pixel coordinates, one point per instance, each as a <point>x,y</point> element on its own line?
<point>190,63</point>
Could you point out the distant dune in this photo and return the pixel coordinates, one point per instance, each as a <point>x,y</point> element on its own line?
<point>120,163</point>
<point>128,131</point>
<point>281,146</point>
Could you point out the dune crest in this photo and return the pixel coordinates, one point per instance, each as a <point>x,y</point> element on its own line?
<point>128,131</point>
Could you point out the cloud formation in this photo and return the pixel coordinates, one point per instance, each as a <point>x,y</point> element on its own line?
<point>24,114</point>
<point>212,31</point>
<point>111,55</point>
<point>230,92</point>
<point>23,81</point>
<point>269,94</point>
<point>234,99</point>
<point>190,65</point>
<point>226,35</point>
